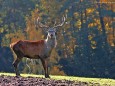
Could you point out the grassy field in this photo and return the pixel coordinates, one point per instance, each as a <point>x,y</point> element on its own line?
<point>97,81</point>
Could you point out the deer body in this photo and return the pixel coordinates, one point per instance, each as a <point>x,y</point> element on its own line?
<point>26,48</point>
<point>41,48</point>
<point>34,50</point>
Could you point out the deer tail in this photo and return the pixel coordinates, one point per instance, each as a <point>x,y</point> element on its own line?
<point>11,47</point>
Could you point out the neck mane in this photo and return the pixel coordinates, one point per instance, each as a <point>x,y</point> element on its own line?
<point>51,42</point>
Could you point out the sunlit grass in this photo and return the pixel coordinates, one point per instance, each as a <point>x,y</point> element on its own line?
<point>97,81</point>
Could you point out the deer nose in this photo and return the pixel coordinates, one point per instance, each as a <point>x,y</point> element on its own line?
<point>51,35</point>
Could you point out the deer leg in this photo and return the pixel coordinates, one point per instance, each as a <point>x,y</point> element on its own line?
<point>15,64</point>
<point>45,66</point>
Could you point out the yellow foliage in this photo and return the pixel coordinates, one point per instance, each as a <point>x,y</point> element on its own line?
<point>90,25</point>
<point>76,14</point>
<point>93,42</point>
<point>78,24</point>
<point>32,32</point>
<point>97,21</point>
<point>54,56</point>
<point>90,37</point>
<point>56,71</point>
<point>90,10</point>
<point>104,1</point>
<point>93,47</point>
<point>1,30</point>
<point>111,38</point>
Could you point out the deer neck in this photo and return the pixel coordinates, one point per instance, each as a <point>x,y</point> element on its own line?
<point>51,42</point>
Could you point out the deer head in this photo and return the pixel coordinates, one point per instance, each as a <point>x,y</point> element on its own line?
<point>51,30</point>
<point>51,33</point>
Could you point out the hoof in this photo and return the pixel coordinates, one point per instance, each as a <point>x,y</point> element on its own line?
<point>47,76</point>
<point>17,76</point>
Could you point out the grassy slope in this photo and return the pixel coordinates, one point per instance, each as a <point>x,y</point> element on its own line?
<point>101,81</point>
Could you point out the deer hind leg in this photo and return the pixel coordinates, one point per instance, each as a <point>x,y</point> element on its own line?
<point>45,66</point>
<point>19,55</point>
<point>15,64</point>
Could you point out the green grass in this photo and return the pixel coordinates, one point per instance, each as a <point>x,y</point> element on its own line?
<point>101,81</point>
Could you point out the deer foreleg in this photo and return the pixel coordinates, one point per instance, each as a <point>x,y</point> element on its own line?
<point>45,66</point>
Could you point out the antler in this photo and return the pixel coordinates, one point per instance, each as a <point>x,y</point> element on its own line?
<point>40,24</point>
<point>62,23</point>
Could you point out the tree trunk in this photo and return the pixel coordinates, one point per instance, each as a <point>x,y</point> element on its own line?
<point>104,38</point>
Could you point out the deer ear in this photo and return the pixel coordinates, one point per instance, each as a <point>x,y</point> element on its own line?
<point>44,30</point>
<point>44,33</point>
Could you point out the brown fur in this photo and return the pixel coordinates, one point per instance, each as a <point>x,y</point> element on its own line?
<point>29,49</point>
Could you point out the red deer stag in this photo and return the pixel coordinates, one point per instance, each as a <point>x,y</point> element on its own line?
<point>40,49</point>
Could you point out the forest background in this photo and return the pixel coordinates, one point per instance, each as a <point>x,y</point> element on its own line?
<point>85,43</point>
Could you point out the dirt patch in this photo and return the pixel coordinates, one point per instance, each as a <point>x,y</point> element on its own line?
<point>36,81</point>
